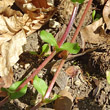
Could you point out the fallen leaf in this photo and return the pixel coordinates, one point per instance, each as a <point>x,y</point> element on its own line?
<point>15,26</point>
<point>72,70</point>
<point>4,4</point>
<point>64,102</point>
<point>94,33</point>
<point>106,14</point>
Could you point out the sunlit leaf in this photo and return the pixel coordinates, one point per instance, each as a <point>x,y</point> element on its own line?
<point>19,94</point>
<point>48,37</point>
<point>45,48</point>
<point>71,47</point>
<point>93,14</point>
<point>40,85</point>
<point>12,90</point>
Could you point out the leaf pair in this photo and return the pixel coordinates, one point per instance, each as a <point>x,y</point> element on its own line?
<point>72,48</point>
<point>42,87</point>
<point>13,94</point>
<point>39,85</point>
<point>45,49</point>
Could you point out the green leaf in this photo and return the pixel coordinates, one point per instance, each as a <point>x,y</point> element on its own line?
<point>52,99</point>
<point>40,85</point>
<point>33,53</point>
<point>93,14</point>
<point>72,48</point>
<point>18,94</point>
<point>45,48</point>
<point>12,90</point>
<point>98,16</point>
<point>79,1</point>
<point>48,37</point>
<point>108,76</point>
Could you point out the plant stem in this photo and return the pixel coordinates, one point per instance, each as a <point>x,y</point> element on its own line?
<point>54,52</point>
<point>37,70</point>
<point>76,6</point>
<point>5,100</point>
<point>81,21</point>
<point>54,79</point>
<point>63,60</point>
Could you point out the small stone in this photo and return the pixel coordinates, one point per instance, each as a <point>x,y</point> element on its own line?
<point>54,24</point>
<point>27,65</point>
<point>21,66</point>
<point>16,66</point>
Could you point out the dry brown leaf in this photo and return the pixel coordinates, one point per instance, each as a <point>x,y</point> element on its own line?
<point>14,28</point>
<point>106,14</point>
<point>93,33</point>
<point>10,52</point>
<point>72,70</point>
<point>64,102</point>
<point>4,4</point>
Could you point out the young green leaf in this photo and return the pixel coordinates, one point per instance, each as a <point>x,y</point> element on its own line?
<point>18,94</point>
<point>79,1</point>
<point>52,99</point>
<point>98,16</point>
<point>48,37</point>
<point>108,76</point>
<point>33,53</point>
<point>93,15</point>
<point>45,48</point>
<point>12,90</point>
<point>72,48</point>
<point>40,85</point>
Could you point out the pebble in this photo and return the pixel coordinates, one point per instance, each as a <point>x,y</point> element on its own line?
<point>27,65</point>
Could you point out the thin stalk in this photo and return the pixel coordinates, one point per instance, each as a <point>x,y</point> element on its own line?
<point>54,79</point>
<point>81,21</point>
<point>54,52</point>
<point>5,100</point>
<point>76,6</point>
<point>37,70</point>
<point>63,60</point>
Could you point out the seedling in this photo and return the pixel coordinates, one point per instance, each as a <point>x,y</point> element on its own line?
<point>12,93</point>
<point>95,16</point>
<point>38,83</point>
<point>72,48</point>
<point>44,52</point>
<point>42,87</point>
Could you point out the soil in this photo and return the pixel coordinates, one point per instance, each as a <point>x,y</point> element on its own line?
<point>89,88</point>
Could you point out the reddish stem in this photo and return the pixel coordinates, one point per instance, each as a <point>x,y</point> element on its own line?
<point>37,70</point>
<point>63,60</point>
<point>54,79</point>
<point>81,21</point>
<point>69,25</point>
<point>5,100</point>
<point>53,53</point>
